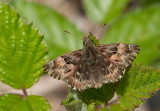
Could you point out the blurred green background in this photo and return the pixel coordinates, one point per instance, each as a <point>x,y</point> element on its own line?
<point>127,21</point>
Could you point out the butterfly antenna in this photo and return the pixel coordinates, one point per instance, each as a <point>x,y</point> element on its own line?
<point>72,34</point>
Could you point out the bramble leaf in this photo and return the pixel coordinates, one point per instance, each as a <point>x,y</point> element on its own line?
<point>72,103</point>
<point>22,53</point>
<point>99,95</point>
<point>17,103</point>
<point>103,11</point>
<point>138,84</point>
<point>141,27</point>
<point>52,25</point>
<point>104,109</point>
<point>115,107</point>
<point>85,100</point>
<point>148,2</point>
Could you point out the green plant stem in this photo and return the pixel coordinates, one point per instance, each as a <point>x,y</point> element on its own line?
<point>24,93</point>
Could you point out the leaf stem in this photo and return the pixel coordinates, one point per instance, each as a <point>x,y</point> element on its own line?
<point>24,93</point>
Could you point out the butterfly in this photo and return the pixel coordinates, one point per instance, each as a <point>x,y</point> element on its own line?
<point>94,65</point>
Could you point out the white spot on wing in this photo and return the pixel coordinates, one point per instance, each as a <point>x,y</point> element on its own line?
<point>123,71</point>
<point>129,46</point>
<point>120,76</point>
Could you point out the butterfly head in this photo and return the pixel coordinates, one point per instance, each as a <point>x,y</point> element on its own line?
<point>90,41</point>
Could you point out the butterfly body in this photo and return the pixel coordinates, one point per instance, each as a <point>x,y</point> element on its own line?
<point>94,65</point>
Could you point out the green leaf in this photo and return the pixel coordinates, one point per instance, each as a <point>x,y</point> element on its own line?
<point>53,26</point>
<point>114,107</point>
<point>103,11</point>
<point>17,103</point>
<point>104,109</point>
<point>93,38</point>
<point>100,95</point>
<point>149,2</point>
<point>22,53</point>
<point>68,100</point>
<point>90,107</point>
<point>74,103</point>
<point>158,64</point>
<point>138,84</point>
<point>141,27</point>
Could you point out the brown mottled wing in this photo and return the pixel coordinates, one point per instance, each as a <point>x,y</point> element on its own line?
<point>63,66</point>
<point>106,64</point>
<point>90,73</point>
<point>119,53</point>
